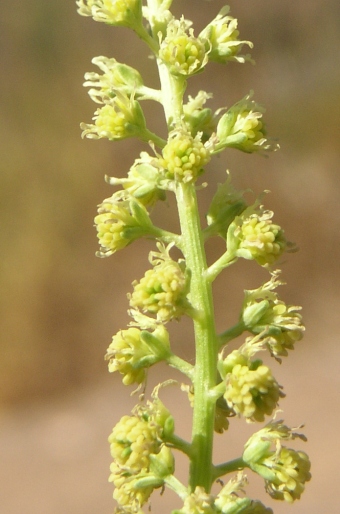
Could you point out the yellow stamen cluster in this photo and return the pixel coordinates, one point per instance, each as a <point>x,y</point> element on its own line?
<point>260,239</point>
<point>291,470</point>
<point>124,354</point>
<point>251,390</point>
<point>182,52</point>
<point>126,492</point>
<point>184,157</point>
<point>132,441</point>
<point>109,232</point>
<point>119,119</point>
<point>113,220</point>
<point>162,291</point>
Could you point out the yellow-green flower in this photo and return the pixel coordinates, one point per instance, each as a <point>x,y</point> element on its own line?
<point>285,470</point>
<point>184,157</point>
<point>132,441</point>
<point>115,76</point>
<point>242,127</point>
<point>280,324</point>
<point>117,224</point>
<point>251,390</point>
<point>162,291</point>
<point>126,13</point>
<point>119,119</point>
<point>222,36</point>
<point>183,53</point>
<point>291,470</point>
<point>258,238</point>
<point>132,351</point>
<point>144,181</point>
<point>128,493</point>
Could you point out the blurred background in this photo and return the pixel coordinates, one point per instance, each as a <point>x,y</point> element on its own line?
<point>60,305</point>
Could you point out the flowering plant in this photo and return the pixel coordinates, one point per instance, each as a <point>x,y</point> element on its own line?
<point>223,383</point>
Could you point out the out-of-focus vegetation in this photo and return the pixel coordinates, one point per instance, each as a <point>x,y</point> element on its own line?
<point>59,305</point>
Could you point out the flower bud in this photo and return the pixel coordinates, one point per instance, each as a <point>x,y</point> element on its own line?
<point>184,54</point>
<point>198,118</point>
<point>184,157</point>
<point>222,37</point>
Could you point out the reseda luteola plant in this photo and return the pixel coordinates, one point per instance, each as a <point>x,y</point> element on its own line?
<point>222,384</point>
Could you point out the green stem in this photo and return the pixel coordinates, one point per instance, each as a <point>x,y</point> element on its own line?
<point>145,36</point>
<point>173,483</point>
<point>181,365</point>
<point>192,246</point>
<point>147,136</point>
<point>223,262</point>
<point>173,89</point>
<point>231,333</point>
<point>228,467</point>
<point>179,444</point>
<point>205,338</point>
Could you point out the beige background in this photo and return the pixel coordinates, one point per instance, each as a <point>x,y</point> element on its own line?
<point>60,305</point>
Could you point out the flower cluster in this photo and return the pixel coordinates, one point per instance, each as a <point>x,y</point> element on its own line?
<point>221,385</point>
<point>163,290</point>
<point>184,156</point>
<point>250,388</point>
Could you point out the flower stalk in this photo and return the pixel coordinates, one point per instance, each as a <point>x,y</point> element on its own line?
<point>223,384</point>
